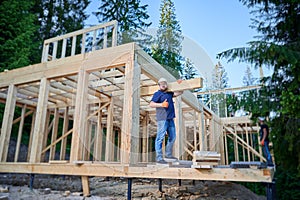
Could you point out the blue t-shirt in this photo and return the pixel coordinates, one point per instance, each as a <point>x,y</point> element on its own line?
<point>164,113</point>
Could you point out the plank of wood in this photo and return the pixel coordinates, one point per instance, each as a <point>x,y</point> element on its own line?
<point>153,171</point>
<point>98,137</point>
<point>80,116</point>
<point>178,145</point>
<point>65,130</point>
<point>109,145</point>
<point>58,161</point>
<point>174,86</point>
<point>39,125</point>
<point>7,121</point>
<point>202,166</point>
<point>58,140</point>
<point>85,185</point>
<point>206,162</point>
<point>20,133</point>
<point>54,134</point>
<point>131,112</point>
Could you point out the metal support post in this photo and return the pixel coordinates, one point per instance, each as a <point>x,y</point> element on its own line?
<point>129,188</point>
<point>271,190</point>
<point>160,184</point>
<point>31,181</point>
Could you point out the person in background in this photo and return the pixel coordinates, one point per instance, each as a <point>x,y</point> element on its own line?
<point>162,100</point>
<point>264,140</point>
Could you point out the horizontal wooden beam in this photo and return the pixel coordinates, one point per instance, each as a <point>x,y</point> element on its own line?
<point>174,86</point>
<point>151,171</point>
<point>81,31</point>
<point>96,60</point>
<point>237,120</point>
<point>236,89</point>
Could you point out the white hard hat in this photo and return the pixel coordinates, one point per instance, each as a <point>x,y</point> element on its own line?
<point>162,80</point>
<point>261,118</point>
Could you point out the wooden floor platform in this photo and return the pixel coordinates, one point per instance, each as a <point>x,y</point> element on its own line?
<point>143,170</point>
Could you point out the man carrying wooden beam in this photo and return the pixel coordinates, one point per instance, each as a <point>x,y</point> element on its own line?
<point>162,100</point>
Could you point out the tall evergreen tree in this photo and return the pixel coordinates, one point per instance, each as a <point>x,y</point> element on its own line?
<point>131,16</point>
<point>169,38</point>
<point>220,81</point>
<point>248,78</point>
<point>16,32</point>
<point>189,71</point>
<point>58,17</point>
<point>278,47</point>
<point>220,78</point>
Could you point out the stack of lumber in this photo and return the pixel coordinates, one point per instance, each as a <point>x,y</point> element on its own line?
<point>205,159</point>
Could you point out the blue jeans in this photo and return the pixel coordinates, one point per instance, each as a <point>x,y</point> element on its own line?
<point>267,153</point>
<point>163,127</point>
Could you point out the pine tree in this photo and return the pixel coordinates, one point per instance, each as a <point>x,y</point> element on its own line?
<point>131,16</point>
<point>278,47</point>
<point>248,78</point>
<point>220,81</point>
<point>58,17</point>
<point>220,78</point>
<point>169,38</point>
<point>16,32</point>
<point>189,70</point>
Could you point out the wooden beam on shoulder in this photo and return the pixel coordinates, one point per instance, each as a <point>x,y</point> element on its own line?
<point>174,86</point>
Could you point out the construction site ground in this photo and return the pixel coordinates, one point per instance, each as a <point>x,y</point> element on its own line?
<point>50,187</point>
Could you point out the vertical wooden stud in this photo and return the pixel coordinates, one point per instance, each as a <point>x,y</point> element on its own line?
<point>105,38</point>
<point>54,134</point>
<point>21,125</point>
<point>54,52</point>
<point>144,136</point>
<point>64,47</point>
<point>85,185</point>
<point>47,131</point>
<point>109,133</point>
<point>64,140</point>
<point>98,137</point>
<point>226,149</point>
<point>179,142</point>
<point>30,136</point>
<point>80,116</point>
<point>114,35</point>
<point>39,125</point>
<point>45,52</point>
<point>7,121</point>
<point>236,145</point>
<point>195,129</point>
<point>73,49</point>
<point>94,40</point>
<point>131,112</point>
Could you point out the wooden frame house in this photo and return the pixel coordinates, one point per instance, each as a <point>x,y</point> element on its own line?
<point>84,110</point>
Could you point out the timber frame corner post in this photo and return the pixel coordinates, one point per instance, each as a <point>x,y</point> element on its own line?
<point>131,112</point>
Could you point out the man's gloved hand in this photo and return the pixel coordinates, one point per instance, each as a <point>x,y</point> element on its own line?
<point>165,104</point>
<point>179,81</point>
<point>262,143</point>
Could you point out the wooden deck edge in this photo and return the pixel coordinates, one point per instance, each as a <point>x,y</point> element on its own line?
<point>153,171</point>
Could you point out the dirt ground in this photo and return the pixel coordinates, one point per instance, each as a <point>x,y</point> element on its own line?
<point>49,187</point>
